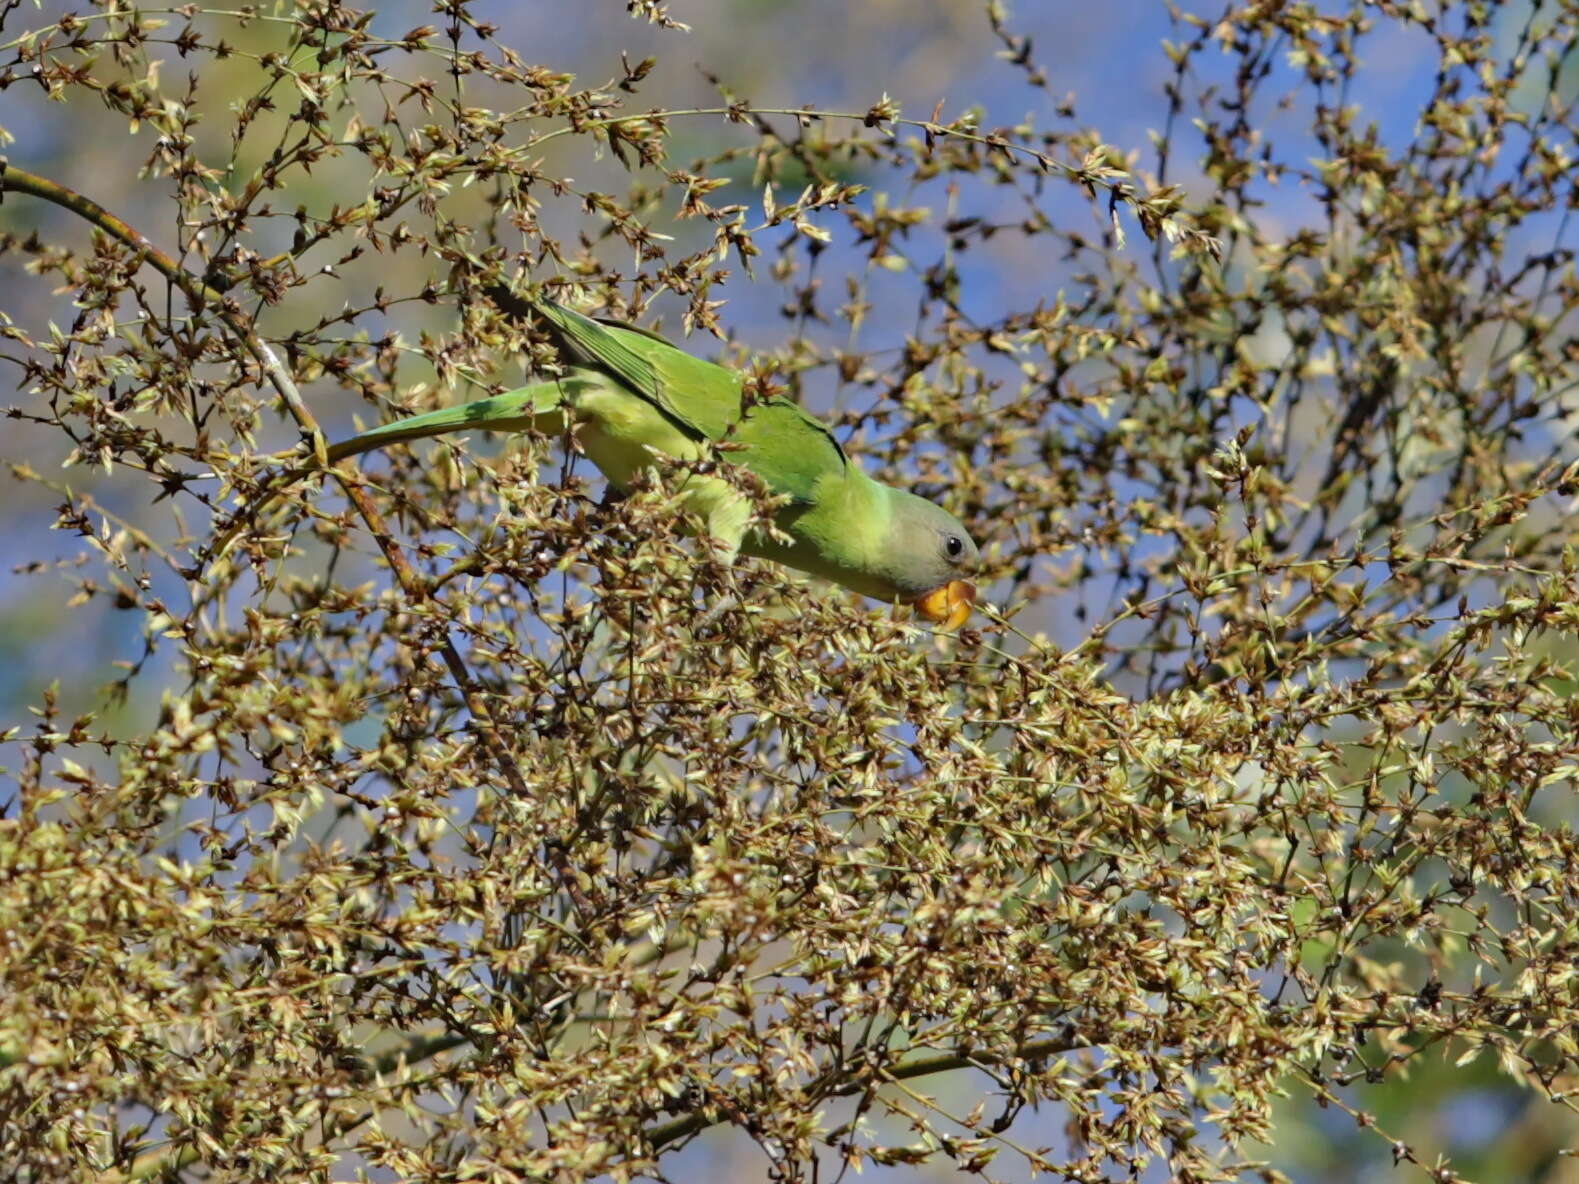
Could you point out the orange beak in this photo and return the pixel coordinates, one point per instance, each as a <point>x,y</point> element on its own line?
<point>949,606</point>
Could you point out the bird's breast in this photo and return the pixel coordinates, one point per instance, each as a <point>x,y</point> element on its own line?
<point>621,433</point>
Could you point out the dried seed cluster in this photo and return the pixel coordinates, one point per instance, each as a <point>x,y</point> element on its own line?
<point>447,820</point>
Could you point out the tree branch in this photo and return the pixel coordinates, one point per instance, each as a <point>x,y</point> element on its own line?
<point>669,1132</point>
<point>15,180</point>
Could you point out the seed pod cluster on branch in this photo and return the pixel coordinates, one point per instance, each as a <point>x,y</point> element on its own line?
<point>441,816</point>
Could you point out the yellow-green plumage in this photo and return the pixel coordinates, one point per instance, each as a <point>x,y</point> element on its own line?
<point>631,397</point>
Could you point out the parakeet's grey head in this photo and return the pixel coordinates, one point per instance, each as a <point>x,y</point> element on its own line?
<point>929,547</point>
<point>929,559</point>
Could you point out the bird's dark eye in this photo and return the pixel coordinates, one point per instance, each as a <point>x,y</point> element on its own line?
<point>954,546</point>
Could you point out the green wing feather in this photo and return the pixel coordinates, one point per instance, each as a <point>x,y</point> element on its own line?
<point>789,449</point>
<point>790,453</point>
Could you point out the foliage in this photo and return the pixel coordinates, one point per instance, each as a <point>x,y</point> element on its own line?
<point>478,834</point>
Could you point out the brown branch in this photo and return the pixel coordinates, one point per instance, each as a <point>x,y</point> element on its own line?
<point>411,1050</point>
<point>15,180</point>
<point>669,1132</point>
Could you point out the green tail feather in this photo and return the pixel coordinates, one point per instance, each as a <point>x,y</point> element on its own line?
<point>514,411</point>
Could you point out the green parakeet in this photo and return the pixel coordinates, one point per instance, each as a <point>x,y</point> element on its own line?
<point>629,396</point>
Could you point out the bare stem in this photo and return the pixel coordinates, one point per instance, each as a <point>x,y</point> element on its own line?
<point>843,1083</point>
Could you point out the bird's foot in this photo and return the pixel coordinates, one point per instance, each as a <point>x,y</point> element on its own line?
<point>718,579</point>
<point>705,622</point>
